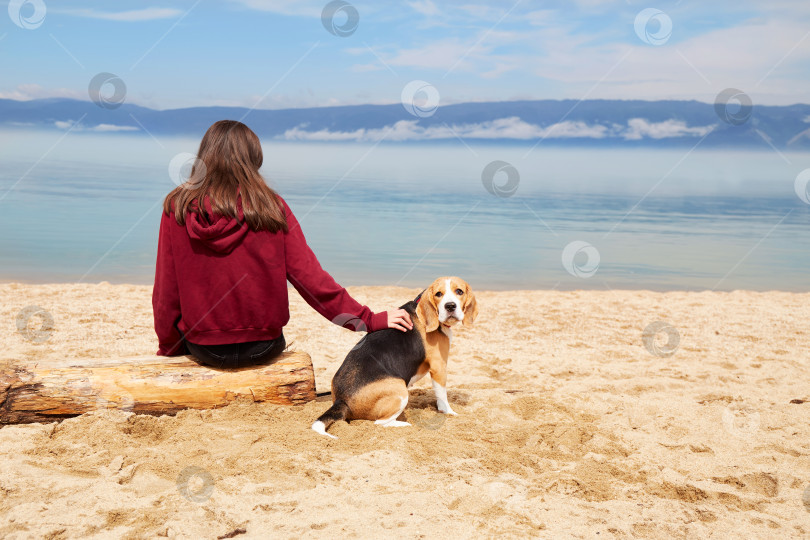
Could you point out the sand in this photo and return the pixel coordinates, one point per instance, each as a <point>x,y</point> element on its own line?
<point>568,427</point>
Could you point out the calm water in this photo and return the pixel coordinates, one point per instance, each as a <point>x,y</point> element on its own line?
<point>86,208</point>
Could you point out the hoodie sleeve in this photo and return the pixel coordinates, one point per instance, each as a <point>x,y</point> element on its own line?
<point>166,295</point>
<point>319,289</point>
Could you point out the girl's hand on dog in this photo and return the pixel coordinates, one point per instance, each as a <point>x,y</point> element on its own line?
<point>399,319</point>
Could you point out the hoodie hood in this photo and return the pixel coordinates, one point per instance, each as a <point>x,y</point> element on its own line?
<point>219,233</point>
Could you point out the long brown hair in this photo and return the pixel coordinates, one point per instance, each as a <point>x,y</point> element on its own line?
<point>227,168</point>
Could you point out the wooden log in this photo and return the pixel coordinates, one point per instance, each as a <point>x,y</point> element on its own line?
<point>156,385</point>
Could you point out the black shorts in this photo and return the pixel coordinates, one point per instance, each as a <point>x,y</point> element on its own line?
<point>237,355</point>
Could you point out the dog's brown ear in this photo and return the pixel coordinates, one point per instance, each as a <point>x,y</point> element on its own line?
<point>427,312</point>
<point>470,307</point>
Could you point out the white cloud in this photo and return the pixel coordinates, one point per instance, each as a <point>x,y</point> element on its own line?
<point>285,7</point>
<point>425,7</point>
<point>102,128</point>
<point>764,55</point>
<point>569,130</point>
<point>363,68</point>
<point>515,128</point>
<point>639,128</point>
<point>498,70</point>
<point>543,17</point>
<point>475,54</point>
<point>135,15</point>
<point>482,11</point>
<point>113,127</point>
<point>441,55</point>
<point>512,128</point>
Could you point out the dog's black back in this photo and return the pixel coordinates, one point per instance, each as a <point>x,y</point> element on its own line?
<point>381,354</point>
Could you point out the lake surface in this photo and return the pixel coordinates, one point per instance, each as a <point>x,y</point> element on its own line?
<point>86,207</point>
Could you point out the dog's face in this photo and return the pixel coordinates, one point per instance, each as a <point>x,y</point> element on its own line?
<point>448,301</point>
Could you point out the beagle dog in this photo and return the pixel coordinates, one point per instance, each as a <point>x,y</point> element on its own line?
<point>373,381</point>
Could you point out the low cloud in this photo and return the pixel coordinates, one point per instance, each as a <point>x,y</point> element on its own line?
<point>113,127</point>
<point>512,128</point>
<point>639,128</point>
<point>410,130</point>
<point>105,128</point>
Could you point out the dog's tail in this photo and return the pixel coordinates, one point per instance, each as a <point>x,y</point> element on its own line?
<point>338,411</point>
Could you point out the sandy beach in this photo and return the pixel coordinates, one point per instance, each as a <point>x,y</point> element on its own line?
<point>570,425</point>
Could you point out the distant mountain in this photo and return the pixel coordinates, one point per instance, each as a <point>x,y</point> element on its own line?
<point>592,122</point>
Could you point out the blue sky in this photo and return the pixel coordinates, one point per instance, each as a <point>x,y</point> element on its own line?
<point>277,54</point>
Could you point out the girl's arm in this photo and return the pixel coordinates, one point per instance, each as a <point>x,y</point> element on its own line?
<point>166,295</point>
<point>319,289</point>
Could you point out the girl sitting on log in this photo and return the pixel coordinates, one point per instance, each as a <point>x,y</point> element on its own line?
<point>228,245</point>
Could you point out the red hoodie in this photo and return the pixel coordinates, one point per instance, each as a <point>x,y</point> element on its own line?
<point>220,282</point>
